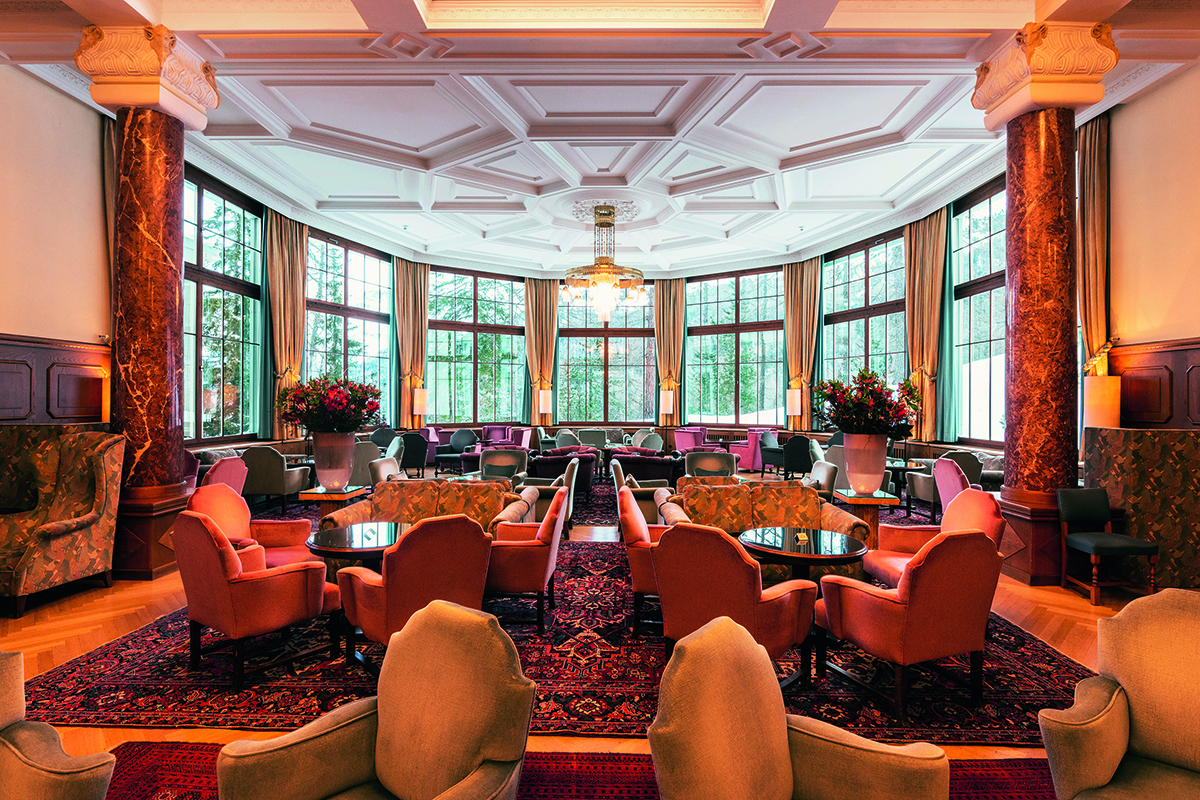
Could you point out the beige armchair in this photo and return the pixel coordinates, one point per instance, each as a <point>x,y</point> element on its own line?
<point>1132,730</point>
<point>722,732</point>
<point>32,761</point>
<point>451,720</point>
<point>268,473</point>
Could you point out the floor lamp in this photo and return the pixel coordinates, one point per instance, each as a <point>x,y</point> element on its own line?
<point>545,404</point>
<point>420,405</point>
<point>795,405</point>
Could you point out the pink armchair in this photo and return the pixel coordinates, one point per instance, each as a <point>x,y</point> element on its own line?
<point>524,555</point>
<point>640,541</point>
<point>939,608</point>
<point>703,573</point>
<point>972,510</point>
<point>230,470</point>
<point>439,558</point>
<point>497,434</point>
<point>950,480</point>
<point>282,540</point>
<point>751,458</point>
<point>234,592</point>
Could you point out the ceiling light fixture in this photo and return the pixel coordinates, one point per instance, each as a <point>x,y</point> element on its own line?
<point>607,284</point>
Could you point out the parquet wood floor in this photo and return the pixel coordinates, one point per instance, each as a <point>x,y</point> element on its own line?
<point>72,620</point>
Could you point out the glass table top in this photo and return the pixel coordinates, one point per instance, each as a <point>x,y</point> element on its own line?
<point>810,542</point>
<point>364,536</point>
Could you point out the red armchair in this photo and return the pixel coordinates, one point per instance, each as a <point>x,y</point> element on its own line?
<point>439,558</point>
<point>524,555</point>
<point>640,541</point>
<point>234,592</point>
<point>230,470</point>
<point>703,573</point>
<point>939,608</point>
<point>971,510</point>
<point>282,540</point>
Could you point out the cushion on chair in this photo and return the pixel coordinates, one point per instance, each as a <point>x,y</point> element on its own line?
<point>886,565</point>
<point>499,470</point>
<point>710,473</point>
<point>1102,543</point>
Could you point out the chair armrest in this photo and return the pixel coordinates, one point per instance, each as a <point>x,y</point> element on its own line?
<point>492,779</point>
<point>865,614</point>
<point>65,526</point>
<point>353,514</point>
<point>840,521</point>
<point>654,483</point>
<point>42,768</point>
<point>976,486</point>
<point>250,770</point>
<point>280,533</point>
<point>672,514</point>
<point>445,449</point>
<point>1086,742</point>
<point>253,558</point>
<point>656,531</point>
<point>516,531</point>
<point>832,763</point>
<point>905,538</point>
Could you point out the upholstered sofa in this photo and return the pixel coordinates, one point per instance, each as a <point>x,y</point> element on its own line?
<point>59,487</point>
<point>736,508</point>
<point>487,502</point>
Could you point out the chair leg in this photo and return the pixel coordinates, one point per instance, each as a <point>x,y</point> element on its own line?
<point>639,599</point>
<point>806,663</point>
<point>1153,565</point>
<point>550,587</point>
<point>822,653</point>
<point>976,676</point>
<point>333,624</point>
<point>194,630</point>
<point>901,692</point>
<point>1095,580</point>
<point>239,664</point>
<point>1062,574</point>
<point>283,504</point>
<point>541,605</point>
<point>18,606</point>
<point>348,630</point>
<point>106,578</point>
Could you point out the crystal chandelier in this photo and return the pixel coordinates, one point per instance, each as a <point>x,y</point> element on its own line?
<point>607,284</point>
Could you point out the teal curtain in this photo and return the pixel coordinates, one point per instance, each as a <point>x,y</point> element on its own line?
<point>948,370</point>
<point>527,397</point>
<point>267,367</point>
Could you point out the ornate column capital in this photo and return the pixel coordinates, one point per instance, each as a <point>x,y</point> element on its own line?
<point>146,67</point>
<point>1045,65</point>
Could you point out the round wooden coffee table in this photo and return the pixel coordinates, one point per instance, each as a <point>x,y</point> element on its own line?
<point>363,542</point>
<point>802,548</point>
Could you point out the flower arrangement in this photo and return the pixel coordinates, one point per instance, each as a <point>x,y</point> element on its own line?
<point>326,406</point>
<point>867,405</point>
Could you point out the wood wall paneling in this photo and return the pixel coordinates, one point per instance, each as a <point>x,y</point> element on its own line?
<point>49,381</point>
<point>1160,383</point>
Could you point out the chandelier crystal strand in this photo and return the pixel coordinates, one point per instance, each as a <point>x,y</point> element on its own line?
<point>607,284</point>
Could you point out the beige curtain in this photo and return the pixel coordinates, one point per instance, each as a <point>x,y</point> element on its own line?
<point>1093,240</point>
<point>287,276</point>
<point>412,329</point>
<point>668,343</point>
<point>541,334</point>
<point>924,271</point>
<point>801,318</point>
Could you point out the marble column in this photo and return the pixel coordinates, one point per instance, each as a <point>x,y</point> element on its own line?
<point>1041,392</point>
<point>148,345</point>
<point>1032,87</point>
<point>157,88</point>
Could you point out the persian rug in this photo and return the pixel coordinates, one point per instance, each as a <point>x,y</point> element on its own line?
<point>594,677</point>
<point>600,508</point>
<point>187,771</point>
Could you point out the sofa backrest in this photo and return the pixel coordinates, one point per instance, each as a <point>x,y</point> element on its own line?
<point>784,503</point>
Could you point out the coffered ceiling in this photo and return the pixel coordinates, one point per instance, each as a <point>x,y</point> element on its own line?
<point>470,132</point>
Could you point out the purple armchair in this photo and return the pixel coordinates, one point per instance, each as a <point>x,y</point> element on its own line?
<point>552,463</point>
<point>691,440</point>
<point>650,467</point>
<point>748,450</point>
<point>433,436</point>
<point>497,434</point>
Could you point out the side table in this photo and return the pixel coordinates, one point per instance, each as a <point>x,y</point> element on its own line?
<point>332,500</point>
<point>866,507</point>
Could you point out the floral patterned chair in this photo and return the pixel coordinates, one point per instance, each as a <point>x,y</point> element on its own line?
<point>67,532</point>
<point>487,502</point>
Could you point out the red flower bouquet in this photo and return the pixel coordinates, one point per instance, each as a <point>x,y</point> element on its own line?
<point>867,405</point>
<point>322,405</point>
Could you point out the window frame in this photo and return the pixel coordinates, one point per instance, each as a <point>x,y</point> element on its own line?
<point>196,272</point>
<point>975,286</point>
<point>347,311</point>
<point>475,328</point>
<point>605,332</point>
<point>737,327</point>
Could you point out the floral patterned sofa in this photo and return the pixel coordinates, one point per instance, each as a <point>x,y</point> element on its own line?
<point>487,502</point>
<point>59,486</point>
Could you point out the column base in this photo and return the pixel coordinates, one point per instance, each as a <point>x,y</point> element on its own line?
<point>144,515</point>
<point>1032,541</point>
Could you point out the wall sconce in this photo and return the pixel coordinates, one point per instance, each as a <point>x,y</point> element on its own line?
<point>546,401</point>
<point>420,402</point>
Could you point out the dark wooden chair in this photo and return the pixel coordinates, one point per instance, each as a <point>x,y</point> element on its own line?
<point>1088,508</point>
<point>793,458</point>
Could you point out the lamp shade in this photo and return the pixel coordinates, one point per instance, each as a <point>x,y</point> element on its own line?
<point>420,400</point>
<point>1102,401</point>
<point>795,402</point>
<point>666,401</point>
<point>545,401</point>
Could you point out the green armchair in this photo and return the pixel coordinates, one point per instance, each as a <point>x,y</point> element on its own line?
<point>69,533</point>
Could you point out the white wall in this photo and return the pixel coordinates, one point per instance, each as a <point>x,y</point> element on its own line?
<point>1155,179</point>
<point>53,256</point>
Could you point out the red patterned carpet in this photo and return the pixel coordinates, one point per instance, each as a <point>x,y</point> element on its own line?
<point>594,678</point>
<point>185,771</point>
